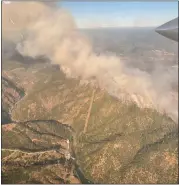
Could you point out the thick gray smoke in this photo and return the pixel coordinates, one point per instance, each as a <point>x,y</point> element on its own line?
<point>52,32</point>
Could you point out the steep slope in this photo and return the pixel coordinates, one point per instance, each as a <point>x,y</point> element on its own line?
<point>36,152</point>
<point>112,154</point>
<point>114,141</point>
<point>11,94</point>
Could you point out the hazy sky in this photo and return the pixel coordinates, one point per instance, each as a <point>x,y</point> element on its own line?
<point>116,14</point>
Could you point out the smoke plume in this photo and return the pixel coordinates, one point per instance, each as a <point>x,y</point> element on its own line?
<point>39,29</point>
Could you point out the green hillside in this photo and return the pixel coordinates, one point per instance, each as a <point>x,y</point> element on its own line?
<point>113,142</point>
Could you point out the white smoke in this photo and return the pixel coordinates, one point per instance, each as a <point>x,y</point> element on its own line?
<point>52,32</point>
<point>7,2</point>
